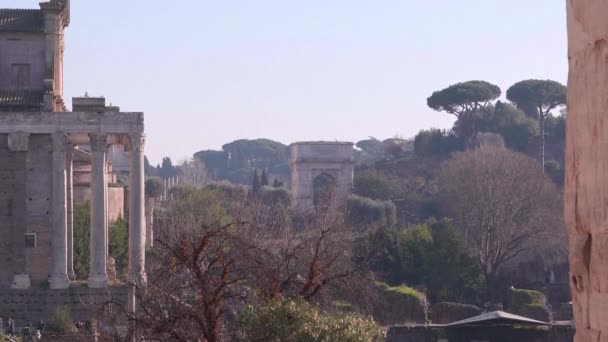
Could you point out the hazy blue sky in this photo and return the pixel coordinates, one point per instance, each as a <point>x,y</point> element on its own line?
<point>208,72</point>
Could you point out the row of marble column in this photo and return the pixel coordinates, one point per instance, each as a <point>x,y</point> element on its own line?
<point>62,235</point>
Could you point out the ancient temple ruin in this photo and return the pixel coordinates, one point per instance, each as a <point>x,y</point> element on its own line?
<point>38,141</point>
<point>321,167</point>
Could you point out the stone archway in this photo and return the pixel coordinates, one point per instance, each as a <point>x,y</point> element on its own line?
<point>319,164</point>
<point>324,190</point>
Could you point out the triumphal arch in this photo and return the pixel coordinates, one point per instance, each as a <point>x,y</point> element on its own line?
<point>324,165</point>
<point>38,139</point>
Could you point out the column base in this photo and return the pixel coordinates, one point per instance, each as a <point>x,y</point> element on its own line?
<point>21,282</point>
<point>59,282</point>
<point>72,275</point>
<point>98,281</point>
<point>139,279</point>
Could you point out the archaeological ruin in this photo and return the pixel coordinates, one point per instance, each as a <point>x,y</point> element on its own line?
<point>40,145</point>
<point>586,189</point>
<point>321,168</point>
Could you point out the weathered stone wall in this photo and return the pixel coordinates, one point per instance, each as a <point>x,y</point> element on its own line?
<point>445,313</point>
<point>413,334</point>
<point>38,304</point>
<point>116,202</point>
<point>556,333</point>
<point>38,207</point>
<point>586,188</point>
<point>12,212</point>
<point>22,48</point>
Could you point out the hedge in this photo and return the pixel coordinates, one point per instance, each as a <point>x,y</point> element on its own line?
<point>447,312</point>
<point>401,304</point>
<point>531,304</point>
<point>362,210</point>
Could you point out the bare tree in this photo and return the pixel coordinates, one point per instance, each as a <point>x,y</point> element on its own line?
<point>299,256</point>
<point>504,205</point>
<point>193,173</point>
<point>213,252</point>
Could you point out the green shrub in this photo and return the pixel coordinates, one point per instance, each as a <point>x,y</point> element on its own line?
<point>275,196</point>
<point>447,312</point>
<point>82,224</point>
<point>434,142</point>
<point>61,321</point>
<point>436,258</point>
<point>374,185</point>
<point>119,246</point>
<point>154,187</point>
<point>539,312</point>
<point>530,303</point>
<point>228,190</point>
<point>521,297</point>
<point>297,320</point>
<point>363,210</point>
<point>401,304</point>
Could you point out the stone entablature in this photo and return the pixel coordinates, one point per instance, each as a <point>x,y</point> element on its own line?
<point>312,159</point>
<point>77,124</point>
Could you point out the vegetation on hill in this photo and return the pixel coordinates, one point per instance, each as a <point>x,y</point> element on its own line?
<point>444,217</point>
<point>297,320</point>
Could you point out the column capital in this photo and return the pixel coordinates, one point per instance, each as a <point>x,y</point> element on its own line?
<point>137,141</point>
<point>60,141</point>
<point>98,142</point>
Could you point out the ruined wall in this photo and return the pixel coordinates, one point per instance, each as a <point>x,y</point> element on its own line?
<point>12,212</point>
<point>116,202</point>
<point>586,186</point>
<point>38,206</point>
<point>24,49</point>
<point>38,304</point>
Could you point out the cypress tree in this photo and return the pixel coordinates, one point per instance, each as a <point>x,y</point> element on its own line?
<point>264,180</point>
<point>256,186</point>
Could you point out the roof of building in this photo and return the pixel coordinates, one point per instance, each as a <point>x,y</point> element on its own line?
<point>21,98</point>
<point>21,20</point>
<point>496,318</point>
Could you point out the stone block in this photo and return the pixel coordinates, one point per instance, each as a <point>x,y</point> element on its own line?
<point>18,141</point>
<point>21,282</point>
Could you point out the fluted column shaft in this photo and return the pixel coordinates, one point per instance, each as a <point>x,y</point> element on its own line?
<point>59,277</point>
<point>98,277</point>
<point>137,218</point>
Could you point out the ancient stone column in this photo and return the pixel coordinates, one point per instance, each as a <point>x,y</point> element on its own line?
<point>70,209</point>
<point>59,277</point>
<point>98,277</point>
<point>105,193</point>
<point>150,203</point>
<point>137,218</point>
<point>586,187</point>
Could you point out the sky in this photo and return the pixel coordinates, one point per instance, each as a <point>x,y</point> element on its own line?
<point>209,72</point>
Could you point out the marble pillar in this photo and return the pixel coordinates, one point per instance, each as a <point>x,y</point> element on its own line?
<point>137,218</point>
<point>98,277</point>
<point>70,209</point>
<point>59,276</point>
